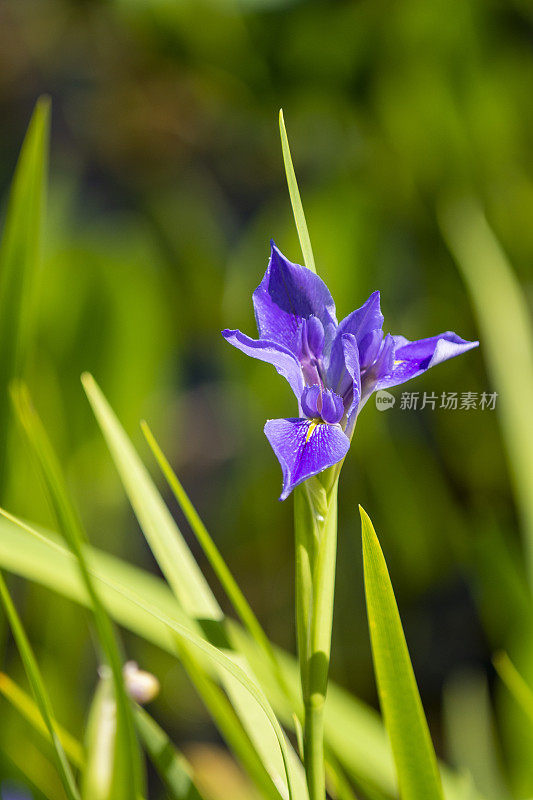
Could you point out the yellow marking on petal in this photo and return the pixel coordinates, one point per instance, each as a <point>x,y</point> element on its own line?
<point>399,362</point>
<point>312,426</point>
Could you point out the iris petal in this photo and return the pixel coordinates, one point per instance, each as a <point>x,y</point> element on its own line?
<point>360,323</point>
<point>282,359</point>
<point>304,448</point>
<point>414,358</point>
<point>288,294</point>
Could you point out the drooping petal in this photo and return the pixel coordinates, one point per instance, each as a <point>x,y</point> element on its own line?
<point>364,323</point>
<point>288,294</point>
<point>304,448</point>
<point>413,358</point>
<point>282,359</point>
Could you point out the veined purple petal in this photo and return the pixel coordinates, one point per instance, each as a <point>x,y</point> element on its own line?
<point>282,359</point>
<point>351,360</point>
<point>414,358</point>
<point>304,448</point>
<point>372,376</point>
<point>361,323</point>
<point>288,294</point>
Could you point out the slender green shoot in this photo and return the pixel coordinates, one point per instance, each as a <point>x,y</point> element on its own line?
<point>416,763</point>
<point>296,201</point>
<point>41,696</point>
<point>20,258</point>
<point>223,573</point>
<point>72,530</point>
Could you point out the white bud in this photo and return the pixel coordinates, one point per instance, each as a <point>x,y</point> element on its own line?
<point>141,686</point>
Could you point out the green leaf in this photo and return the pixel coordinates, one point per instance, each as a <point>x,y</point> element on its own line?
<point>39,691</point>
<point>227,581</point>
<point>126,756</point>
<point>296,201</point>
<point>166,542</point>
<point>506,337</point>
<point>172,766</point>
<point>29,709</point>
<point>20,256</point>
<point>414,756</point>
<point>188,584</point>
<point>220,659</point>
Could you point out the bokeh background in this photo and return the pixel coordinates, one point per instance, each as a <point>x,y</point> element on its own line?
<point>166,186</point>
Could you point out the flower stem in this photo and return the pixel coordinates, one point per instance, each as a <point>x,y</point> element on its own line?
<point>316,548</point>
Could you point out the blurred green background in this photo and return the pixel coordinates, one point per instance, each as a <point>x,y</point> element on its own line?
<point>166,185</point>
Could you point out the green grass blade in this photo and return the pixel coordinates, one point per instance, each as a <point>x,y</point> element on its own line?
<point>20,253</point>
<point>39,691</point>
<point>215,655</point>
<point>506,340</point>
<point>183,575</point>
<point>166,542</point>
<point>227,581</point>
<point>520,690</point>
<point>27,707</point>
<point>416,763</point>
<point>127,754</point>
<point>171,765</point>
<point>60,570</point>
<point>296,201</point>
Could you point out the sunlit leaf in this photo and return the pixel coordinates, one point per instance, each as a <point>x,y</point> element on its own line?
<point>20,255</point>
<point>416,764</point>
<point>39,691</point>
<point>124,754</point>
<point>296,201</point>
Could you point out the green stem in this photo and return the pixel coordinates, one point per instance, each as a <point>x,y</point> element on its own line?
<point>316,548</point>
<point>314,747</point>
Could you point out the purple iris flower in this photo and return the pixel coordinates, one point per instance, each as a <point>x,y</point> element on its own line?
<point>331,367</point>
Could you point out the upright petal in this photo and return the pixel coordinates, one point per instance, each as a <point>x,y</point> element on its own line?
<point>282,359</point>
<point>351,360</point>
<point>304,448</point>
<point>413,358</point>
<point>287,294</point>
<point>365,324</point>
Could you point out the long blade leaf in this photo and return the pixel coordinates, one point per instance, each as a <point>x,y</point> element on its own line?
<point>296,201</point>
<point>416,763</point>
<point>41,696</point>
<point>127,753</point>
<point>216,656</point>
<point>165,540</point>
<point>507,340</point>
<point>20,253</point>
